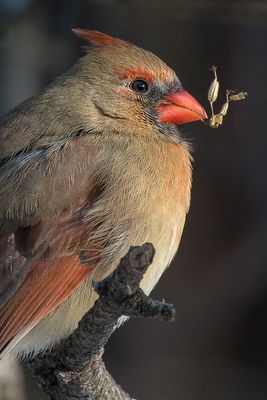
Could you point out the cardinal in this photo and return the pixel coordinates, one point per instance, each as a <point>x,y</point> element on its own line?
<point>90,166</point>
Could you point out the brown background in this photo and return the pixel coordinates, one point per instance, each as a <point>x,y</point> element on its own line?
<point>216,349</point>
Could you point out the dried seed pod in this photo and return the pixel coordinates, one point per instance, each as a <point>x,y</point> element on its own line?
<point>214,87</point>
<point>224,108</point>
<point>216,120</point>
<point>238,96</point>
<point>212,122</point>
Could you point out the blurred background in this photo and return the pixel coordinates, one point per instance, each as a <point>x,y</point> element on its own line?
<point>216,348</point>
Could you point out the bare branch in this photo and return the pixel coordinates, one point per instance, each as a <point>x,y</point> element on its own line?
<point>75,370</point>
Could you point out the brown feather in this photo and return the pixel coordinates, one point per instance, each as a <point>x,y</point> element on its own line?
<point>13,267</point>
<point>46,286</point>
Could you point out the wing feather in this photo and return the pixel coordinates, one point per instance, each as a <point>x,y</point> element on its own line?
<point>13,267</point>
<point>43,193</point>
<point>40,183</point>
<point>46,285</point>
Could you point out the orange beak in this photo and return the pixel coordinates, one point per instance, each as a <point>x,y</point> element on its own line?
<point>180,107</point>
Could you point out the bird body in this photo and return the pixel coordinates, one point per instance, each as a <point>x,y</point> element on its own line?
<point>88,168</point>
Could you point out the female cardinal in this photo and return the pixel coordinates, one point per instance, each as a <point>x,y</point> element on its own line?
<point>88,167</point>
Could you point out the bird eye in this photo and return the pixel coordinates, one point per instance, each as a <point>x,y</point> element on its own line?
<point>140,86</point>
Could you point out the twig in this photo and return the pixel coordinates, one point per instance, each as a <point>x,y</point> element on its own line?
<point>75,370</point>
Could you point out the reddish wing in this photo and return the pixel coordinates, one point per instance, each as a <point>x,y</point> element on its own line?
<point>40,263</point>
<point>46,285</point>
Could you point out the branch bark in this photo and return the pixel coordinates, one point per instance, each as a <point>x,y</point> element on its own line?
<point>75,369</point>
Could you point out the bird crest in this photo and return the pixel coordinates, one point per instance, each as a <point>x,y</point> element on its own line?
<point>98,38</point>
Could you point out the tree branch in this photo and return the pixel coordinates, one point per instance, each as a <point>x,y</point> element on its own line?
<point>75,370</point>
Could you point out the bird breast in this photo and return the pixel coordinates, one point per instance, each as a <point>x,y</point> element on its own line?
<point>145,199</point>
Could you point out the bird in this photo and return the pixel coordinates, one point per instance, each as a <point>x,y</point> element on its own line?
<point>91,165</point>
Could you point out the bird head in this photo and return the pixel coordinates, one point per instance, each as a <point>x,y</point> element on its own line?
<point>132,89</point>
